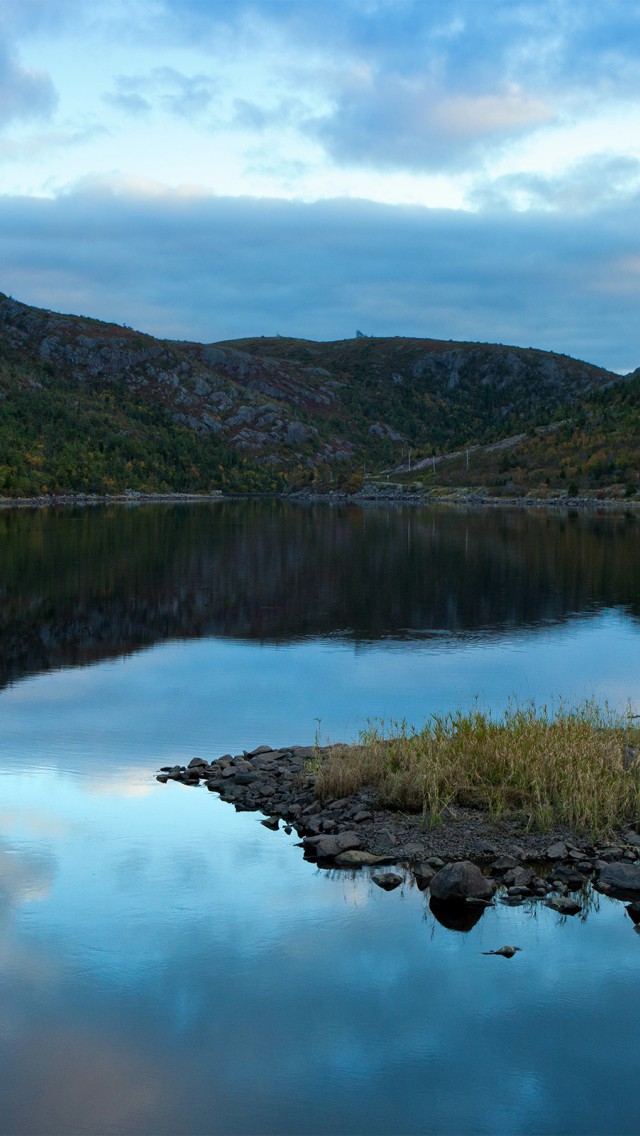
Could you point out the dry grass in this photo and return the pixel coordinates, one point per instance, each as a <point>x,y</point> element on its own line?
<point>564,767</point>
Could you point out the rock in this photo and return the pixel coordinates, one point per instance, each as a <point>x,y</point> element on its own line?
<point>258,750</point>
<point>387,838</point>
<point>423,875</point>
<point>329,825</point>
<point>557,851</point>
<point>633,911</point>
<point>518,877</point>
<point>457,881</point>
<point>272,822</point>
<point>243,778</point>
<point>387,880</point>
<point>503,864</point>
<point>162,778</point>
<point>196,763</point>
<point>620,877</point>
<point>328,847</point>
<point>632,838</point>
<point>563,904</point>
<point>361,816</point>
<point>356,858</point>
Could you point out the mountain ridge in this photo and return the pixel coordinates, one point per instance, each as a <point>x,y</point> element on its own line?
<point>95,407</point>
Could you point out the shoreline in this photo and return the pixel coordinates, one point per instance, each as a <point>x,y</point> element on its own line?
<point>354,833</point>
<point>365,497</point>
<point>130,497</point>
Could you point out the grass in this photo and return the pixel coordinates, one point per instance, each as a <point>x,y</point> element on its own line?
<point>560,768</point>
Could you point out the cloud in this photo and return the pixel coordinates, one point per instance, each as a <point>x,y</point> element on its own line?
<point>596,182</point>
<point>187,96</point>
<point>248,115</point>
<point>24,93</point>
<point>131,103</point>
<point>409,123</point>
<point>35,145</point>
<point>209,268</point>
<point>24,877</point>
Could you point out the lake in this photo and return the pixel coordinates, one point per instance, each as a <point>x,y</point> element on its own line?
<point>170,966</point>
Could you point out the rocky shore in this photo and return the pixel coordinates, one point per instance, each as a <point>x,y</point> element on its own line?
<point>129,497</point>
<point>463,860</point>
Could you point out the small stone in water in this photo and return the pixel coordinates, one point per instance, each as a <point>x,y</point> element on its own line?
<point>387,880</point>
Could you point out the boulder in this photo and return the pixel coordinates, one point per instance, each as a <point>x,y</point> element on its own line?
<point>557,851</point>
<point>458,881</point>
<point>620,877</point>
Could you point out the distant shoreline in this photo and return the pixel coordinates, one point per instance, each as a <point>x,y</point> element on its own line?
<point>380,496</point>
<point>45,501</point>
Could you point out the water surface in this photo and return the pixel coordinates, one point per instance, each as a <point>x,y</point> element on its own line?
<point>170,966</point>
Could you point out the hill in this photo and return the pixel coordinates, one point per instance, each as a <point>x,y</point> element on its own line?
<point>89,407</point>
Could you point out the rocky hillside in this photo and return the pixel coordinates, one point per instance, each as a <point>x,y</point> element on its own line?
<point>88,406</point>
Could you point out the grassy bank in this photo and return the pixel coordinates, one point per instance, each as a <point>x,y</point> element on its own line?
<point>571,767</point>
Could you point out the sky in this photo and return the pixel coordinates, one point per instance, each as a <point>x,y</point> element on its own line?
<point>213,169</point>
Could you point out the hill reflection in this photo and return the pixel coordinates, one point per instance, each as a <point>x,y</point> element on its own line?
<point>81,585</point>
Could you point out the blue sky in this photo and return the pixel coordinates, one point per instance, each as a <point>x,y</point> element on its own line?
<point>464,169</point>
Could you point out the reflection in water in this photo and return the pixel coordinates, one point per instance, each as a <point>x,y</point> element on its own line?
<point>190,972</point>
<point>78,585</point>
<point>185,970</point>
<point>456,915</point>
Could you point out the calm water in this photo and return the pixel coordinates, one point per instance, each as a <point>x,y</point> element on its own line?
<point>170,966</point>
